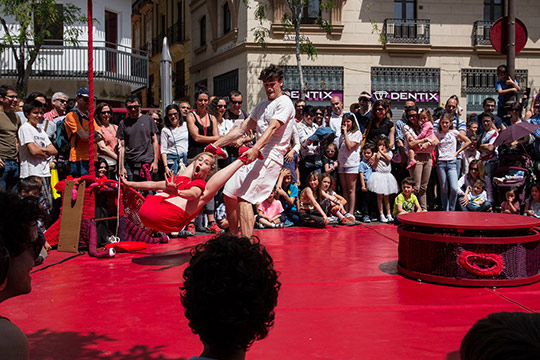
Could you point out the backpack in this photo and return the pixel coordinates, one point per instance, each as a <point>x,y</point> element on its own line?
<point>63,141</point>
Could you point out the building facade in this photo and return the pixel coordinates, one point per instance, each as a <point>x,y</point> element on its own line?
<point>425,49</point>
<point>153,20</point>
<point>118,69</point>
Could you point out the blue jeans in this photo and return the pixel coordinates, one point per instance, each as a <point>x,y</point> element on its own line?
<point>448,183</point>
<point>9,176</point>
<point>78,168</point>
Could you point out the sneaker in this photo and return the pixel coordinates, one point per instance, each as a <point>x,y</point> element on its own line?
<point>357,214</point>
<point>216,150</point>
<point>332,220</point>
<point>350,216</point>
<point>389,218</point>
<point>347,221</point>
<point>214,228</point>
<point>190,229</point>
<point>383,219</point>
<point>280,225</point>
<point>288,223</point>
<point>366,219</point>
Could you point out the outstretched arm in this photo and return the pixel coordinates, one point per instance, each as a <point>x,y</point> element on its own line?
<point>145,185</point>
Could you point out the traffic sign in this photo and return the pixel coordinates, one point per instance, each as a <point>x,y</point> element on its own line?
<point>499,35</point>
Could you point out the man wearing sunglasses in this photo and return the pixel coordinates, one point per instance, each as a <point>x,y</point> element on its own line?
<point>59,102</point>
<point>9,125</point>
<point>235,111</point>
<point>364,113</point>
<point>139,149</point>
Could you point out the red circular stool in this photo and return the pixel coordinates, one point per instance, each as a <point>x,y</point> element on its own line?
<point>469,248</point>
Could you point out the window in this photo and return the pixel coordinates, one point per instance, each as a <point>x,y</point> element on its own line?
<point>225,83</point>
<point>312,10</point>
<point>56,28</point>
<point>226,18</point>
<point>202,31</point>
<point>493,9</point>
<point>180,11</point>
<point>179,84</point>
<point>479,84</point>
<point>404,9</point>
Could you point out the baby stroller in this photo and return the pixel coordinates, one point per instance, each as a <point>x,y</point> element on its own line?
<point>514,172</point>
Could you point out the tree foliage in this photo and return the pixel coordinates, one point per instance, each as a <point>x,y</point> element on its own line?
<point>292,21</point>
<point>27,24</point>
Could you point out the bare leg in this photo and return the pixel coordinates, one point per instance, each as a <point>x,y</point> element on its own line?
<point>231,207</point>
<point>351,180</point>
<point>218,180</point>
<point>247,218</point>
<point>380,203</point>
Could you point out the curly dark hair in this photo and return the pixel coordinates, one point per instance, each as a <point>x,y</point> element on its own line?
<point>271,72</point>
<point>503,335</point>
<point>17,216</point>
<point>230,291</point>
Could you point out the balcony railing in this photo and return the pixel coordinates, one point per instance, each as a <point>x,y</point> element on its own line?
<point>406,31</point>
<point>111,62</point>
<point>481,32</point>
<point>176,33</point>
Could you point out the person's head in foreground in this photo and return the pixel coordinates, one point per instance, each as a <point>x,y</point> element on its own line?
<point>503,335</point>
<point>19,237</point>
<point>229,294</point>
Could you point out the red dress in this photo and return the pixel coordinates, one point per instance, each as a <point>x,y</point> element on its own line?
<point>161,215</point>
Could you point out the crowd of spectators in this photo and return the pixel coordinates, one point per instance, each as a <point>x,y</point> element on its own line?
<point>341,167</point>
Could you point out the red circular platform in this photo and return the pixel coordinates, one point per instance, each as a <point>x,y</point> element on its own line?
<point>469,220</point>
<point>470,248</point>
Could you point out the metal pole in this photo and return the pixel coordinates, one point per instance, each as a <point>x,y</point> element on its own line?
<point>166,77</point>
<point>511,40</point>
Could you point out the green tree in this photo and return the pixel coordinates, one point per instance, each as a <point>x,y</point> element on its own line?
<point>292,20</point>
<point>28,24</point>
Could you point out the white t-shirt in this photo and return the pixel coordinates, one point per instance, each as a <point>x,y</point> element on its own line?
<point>447,145</point>
<point>175,141</point>
<point>281,109</point>
<point>335,124</point>
<point>225,126</point>
<point>350,158</point>
<point>32,165</point>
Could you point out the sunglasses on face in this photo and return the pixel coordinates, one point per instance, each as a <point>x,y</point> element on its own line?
<point>363,99</point>
<point>412,116</point>
<point>61,100</point>
<point>236,102</point>
<point>133,107</point>
<point>222,106</point>
<point>473,169</point>
<point>172,114</point>
<point>106,113</point>
<point>318,114</point>
<point>379,109</point>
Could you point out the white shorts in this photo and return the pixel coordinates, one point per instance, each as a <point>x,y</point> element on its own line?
<point>254,182</point>
<point>348,170</point>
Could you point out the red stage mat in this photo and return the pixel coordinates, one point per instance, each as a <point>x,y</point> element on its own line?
<point>341,298</point>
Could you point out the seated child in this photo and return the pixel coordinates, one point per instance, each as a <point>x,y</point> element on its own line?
<point>511,205</point>
<point>292,165</point>
<point>182,197</point>
<point>426,122</point>
<point>532,205</point>
<point>229,305</point>
<point>269,212</point>
<point>287,193</point>
<point>406,201</point>
<point>477,197</point>
<point>311,212</point>
<point>332,203</point>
